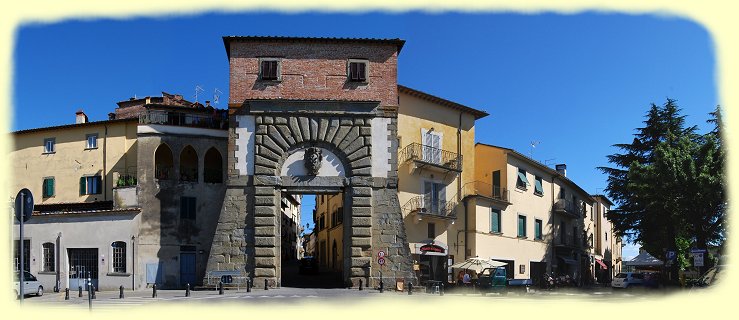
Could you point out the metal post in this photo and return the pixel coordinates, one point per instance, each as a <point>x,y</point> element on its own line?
<point>266,284</point>
<point>92,287</point>
<point>120,292</point>
<point>441,289</point>
<point>21,272</point>
<point>66,294</point>
<point>360,284</point>
<point>381,286</point>
<point>410,288</point>
<point>187,290</point>
<point>248,285</point>
<point>154,290</point>
<point>89,296</point>
<point>220,287</point>
<point>80,290</point>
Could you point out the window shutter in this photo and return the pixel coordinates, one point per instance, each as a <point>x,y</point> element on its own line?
<point>50,187</point>
<point>98,185</point>
<point>83,186</point>
<point>362,71</point>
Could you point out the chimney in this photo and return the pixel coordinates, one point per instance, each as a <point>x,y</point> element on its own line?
<point>207,103</point>
<point>562,169</point>
<point>80,117</point>
<point>111,116</point>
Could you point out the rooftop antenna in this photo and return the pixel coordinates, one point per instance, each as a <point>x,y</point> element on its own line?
<point>197,90</point>
<point>216,95</point>
<point>546,162</point>
<point>533,145</point>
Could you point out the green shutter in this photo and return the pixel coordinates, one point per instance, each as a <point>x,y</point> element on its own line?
<point>522,177</point>
<point>83,185</point>
<point>50,187</point>
<point>537,187</point>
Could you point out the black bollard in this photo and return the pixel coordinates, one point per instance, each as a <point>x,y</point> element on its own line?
<point>66,294</point>
<point>410,288</point>
<point>80,289</point>
<point>248,285</point>
<point>154,290</point>
<point>92,289</point>
<point>187,290</point>
<point>360,284</point>
<point>441,289</point>
<point>382,286</point>
<point>89,296</point>
<point>266,284</point>
<point>220,287</point>
<point>120,292</point>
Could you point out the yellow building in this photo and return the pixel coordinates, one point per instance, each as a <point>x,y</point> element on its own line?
<point>436,143</point>
<point>604,246</point>
<point>328,219</point>
<point>528,215</point>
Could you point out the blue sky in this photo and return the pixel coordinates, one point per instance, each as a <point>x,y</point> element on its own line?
<point>576,84</point>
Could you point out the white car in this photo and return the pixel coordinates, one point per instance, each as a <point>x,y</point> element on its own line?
<point>31,285</point>
<point>627,279</point>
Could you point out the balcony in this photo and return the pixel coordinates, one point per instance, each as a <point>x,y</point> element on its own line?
<point>425,206</point>
<point>183,119</point>
<point>426,157</point>
<point>567,208</point>
<point>482,189</point>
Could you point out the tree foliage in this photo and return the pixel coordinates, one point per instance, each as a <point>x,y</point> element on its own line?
<point>669,184</point>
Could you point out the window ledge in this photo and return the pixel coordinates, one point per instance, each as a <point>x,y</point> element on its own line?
<point>521,188</point>
<point>522,237</point>
<point>495,233</point>
<point>117,274</point>
<point>541,194</point>
<point>52,152</point>
<point>91,148</point>
<point>47,272</point>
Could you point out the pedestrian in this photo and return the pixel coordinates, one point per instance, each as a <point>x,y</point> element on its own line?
<point>460,278</point>
<point>467,279</point>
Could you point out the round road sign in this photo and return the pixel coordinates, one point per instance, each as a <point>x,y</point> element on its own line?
<point>381,261</point>
<point>381,254</point>
<point>27,204</point>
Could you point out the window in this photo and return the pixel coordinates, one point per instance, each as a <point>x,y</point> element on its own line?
<point>26,255</point>
<point>574,236</point>
<point>49,145</point>
<point>537,229</point>
<point>119,256</point>
<point>431,230</point>
<point>187,208</point>
<point>522,182</point>
<point>562,232</point>
<point>269,69</point>
<point>91,185</point>
<point>48,187</point>
<point>48,257</point>
<point>495,221</point>
<point>434,197</point>
<point>606,236</point>
<point>538,187</point>
<point>431,144</point>
<point>562,193</point>
<point>92,141</point>
<point>521,226</point>
<point>357,70</point>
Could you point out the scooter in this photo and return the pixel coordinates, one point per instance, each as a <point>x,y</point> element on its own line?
<point>548,281</point>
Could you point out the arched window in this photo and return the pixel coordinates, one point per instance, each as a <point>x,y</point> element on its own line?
<point>189,165</point>
<point>163,163</point>
<point>48,257</point>
<point>119,256</point>
<point>213,167</point>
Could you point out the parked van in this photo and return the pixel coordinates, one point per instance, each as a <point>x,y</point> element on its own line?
<point>627,279</point>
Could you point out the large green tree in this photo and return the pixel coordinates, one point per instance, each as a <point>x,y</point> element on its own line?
<point>668,184</point>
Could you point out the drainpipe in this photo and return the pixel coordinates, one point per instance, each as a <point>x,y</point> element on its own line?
<point>551,212</point>
<point>133,263</point>
<point>459,182</point>
<point>105,172</point>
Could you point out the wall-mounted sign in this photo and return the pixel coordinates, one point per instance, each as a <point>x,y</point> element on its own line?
<point>431,248</point>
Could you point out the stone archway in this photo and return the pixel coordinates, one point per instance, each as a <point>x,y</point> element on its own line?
<point>359,151</point>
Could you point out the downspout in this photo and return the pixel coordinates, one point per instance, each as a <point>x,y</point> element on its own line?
<point>133,262</point>
<point>551,213</point>
<point>105,171</point>
<point>459,182</point>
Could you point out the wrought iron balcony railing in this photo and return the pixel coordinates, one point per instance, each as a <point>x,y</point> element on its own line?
<point>429,155</point>
<point>567,207</point>
<point>173,118</point>
<point>425,204</point>
<point>480,188</point>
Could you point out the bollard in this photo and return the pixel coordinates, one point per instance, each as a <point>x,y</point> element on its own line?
<point>248,285</point>
<point>441,289</point>
<point>154,290</point>
<point>410,288</point>
<point>89,296</point>
<point>187,290</point>
<point>120,292</point>
<point>360,284</point>
<point>220,287</point>
<point>381,286</point>
<point>80,295</point>
<point>93,292</point>
<point>66,294</point>
<point>266,284</point>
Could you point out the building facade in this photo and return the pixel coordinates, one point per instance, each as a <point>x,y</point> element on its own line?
<point>603,244</point>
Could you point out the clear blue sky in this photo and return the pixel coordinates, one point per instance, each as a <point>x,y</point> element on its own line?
<point>577,84</point>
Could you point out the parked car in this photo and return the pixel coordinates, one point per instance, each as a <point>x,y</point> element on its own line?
<point>627,279</point>
<point>31,285</point>
<point>308,265</point>
<point>496,280</point>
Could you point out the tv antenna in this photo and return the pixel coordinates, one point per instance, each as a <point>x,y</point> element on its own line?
<point>533,145</point>
<point>546,162</point>
<point>216,95</point>
<point>198,89</point>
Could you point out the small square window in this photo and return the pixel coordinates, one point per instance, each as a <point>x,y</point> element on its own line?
<point>537,229</point>
<point>92,141</point>
<point>91,185</point>
<point>521,181</point>
<point>495,221</point>
<point>48,187</point>
<point>357,71</point>
<point>521,226</point>
<point>269,69</point>
<point>49,145</point>
<point>538,187</point>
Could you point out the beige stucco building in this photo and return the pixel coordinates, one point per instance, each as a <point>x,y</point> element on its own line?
<point>604,246</point>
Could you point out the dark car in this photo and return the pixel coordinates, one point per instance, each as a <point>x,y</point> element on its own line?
<point>308,265</point>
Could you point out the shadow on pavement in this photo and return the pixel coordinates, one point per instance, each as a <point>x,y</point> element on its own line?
<point>323,280</point>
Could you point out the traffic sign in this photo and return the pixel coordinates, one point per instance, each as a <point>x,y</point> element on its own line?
<point>381,261</point>
<point>26,206</point>
<point>381,254</point>
<point>670,255</point>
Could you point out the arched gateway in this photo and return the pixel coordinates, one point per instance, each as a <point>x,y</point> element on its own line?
<point>312,115</point>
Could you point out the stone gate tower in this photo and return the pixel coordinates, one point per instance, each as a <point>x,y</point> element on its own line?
<point>312,115</point>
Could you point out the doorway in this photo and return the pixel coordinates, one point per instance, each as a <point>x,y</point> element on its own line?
<point>83,265</point>
<point>187,266</point>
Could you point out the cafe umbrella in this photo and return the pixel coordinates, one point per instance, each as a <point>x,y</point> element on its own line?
<point>477,264</point>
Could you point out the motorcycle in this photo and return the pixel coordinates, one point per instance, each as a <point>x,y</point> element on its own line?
<point>548,281</point>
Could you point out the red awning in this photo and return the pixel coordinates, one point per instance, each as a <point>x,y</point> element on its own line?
<point>602,265</point>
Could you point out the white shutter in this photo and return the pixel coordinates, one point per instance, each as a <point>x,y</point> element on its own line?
<point>428,189</point>
<point>436,144</point>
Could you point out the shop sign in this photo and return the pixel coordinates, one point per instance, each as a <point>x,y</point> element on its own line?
<point>432,248</point>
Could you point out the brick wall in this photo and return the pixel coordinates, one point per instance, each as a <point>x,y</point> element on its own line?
<point>313,71</point>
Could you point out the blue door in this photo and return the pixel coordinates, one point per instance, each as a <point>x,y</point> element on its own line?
<point>187,268</point>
